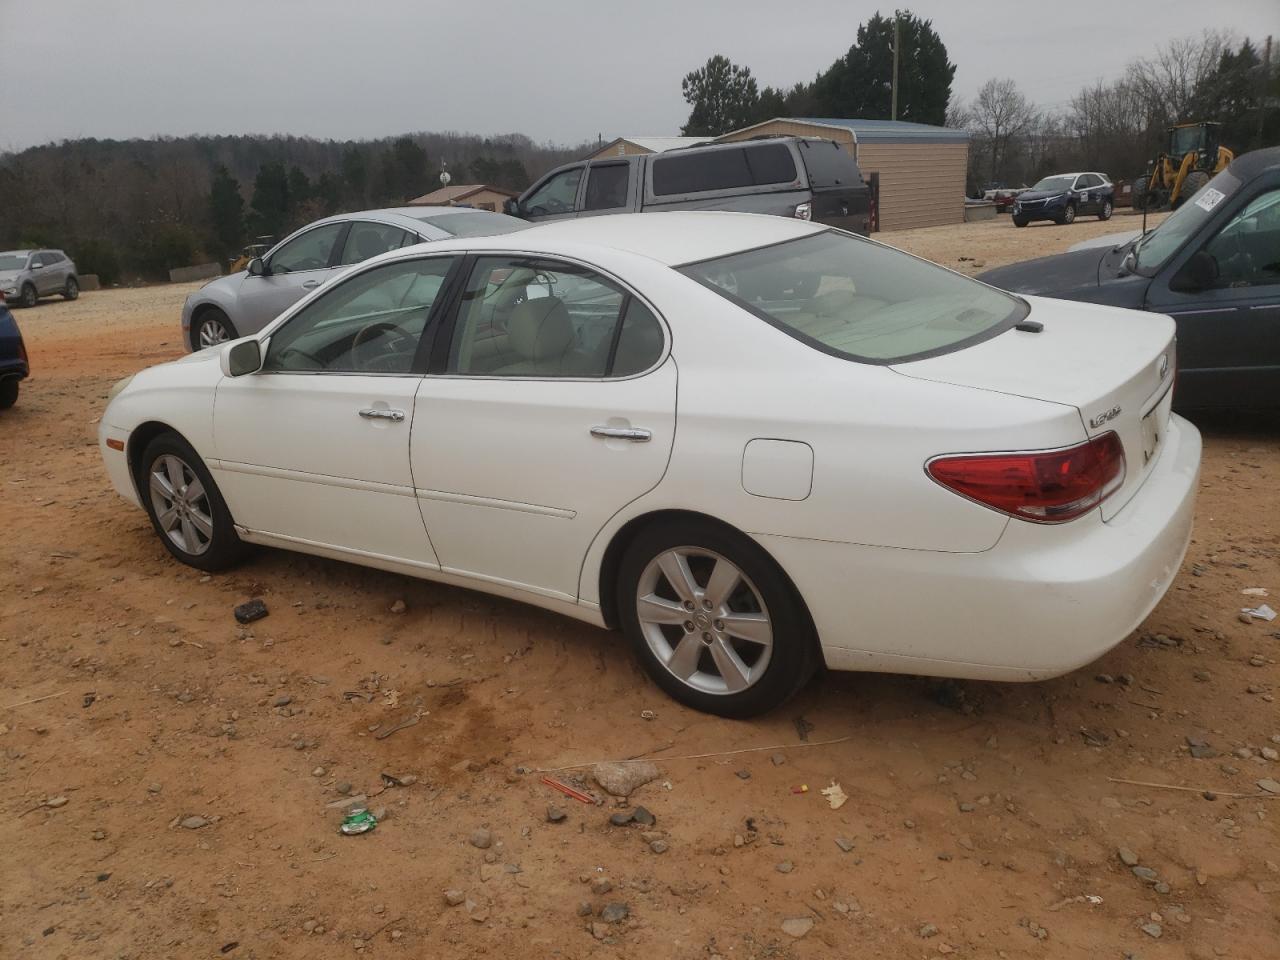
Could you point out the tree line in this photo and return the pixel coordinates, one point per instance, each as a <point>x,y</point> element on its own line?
<point>1114,127</point>
<point>134,209</point>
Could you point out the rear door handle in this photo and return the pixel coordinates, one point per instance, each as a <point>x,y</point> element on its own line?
<point>311,285</point>
<point>375,413</point>
<point>634,434</point>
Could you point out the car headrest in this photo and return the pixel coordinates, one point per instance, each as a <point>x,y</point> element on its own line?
<point>540,329</point>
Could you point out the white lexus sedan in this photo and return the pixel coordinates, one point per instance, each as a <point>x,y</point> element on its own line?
<point>757,445</point>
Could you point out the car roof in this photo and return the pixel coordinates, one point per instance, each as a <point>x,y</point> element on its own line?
<point>16,253</point>
<point>413,218</point>
<point>1255,162</point>
<point>672,238</point>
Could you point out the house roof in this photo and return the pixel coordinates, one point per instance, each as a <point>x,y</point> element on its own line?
<point>456,193</point>
<point>882,131</point>
<point>653,144</point>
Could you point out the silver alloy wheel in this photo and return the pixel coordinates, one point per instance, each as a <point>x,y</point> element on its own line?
<point>704,620</point>
<point>181,505</point>
<point>212,333</point>
<point>1069,214</point>
<point>72,289</point>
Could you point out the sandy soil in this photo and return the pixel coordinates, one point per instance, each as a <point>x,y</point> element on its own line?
<point>981,818</point>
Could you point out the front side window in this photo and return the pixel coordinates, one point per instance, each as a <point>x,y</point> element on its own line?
<point>370,323</point>
<point>311,251</point>
<point>523,317</point>
<point>859,300</point>
<point>366,240</point>
<point>557,195</point>
<point>1246,252</point>
<point>607,186</point>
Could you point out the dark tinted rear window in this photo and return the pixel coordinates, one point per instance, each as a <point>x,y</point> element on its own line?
<point>729,169</point>
<point>829,165</point>
<point>607,186</point>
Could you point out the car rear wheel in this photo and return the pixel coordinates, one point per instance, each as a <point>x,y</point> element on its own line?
<point>29,296</point>
<point>213,328</point>
<point>72,290</point>
<point>1020,221</point>
<point>1068,215</point>
<point>186,509</point>
<point>8,392</point>
<point>713,620</point>
<point>1105,211</point>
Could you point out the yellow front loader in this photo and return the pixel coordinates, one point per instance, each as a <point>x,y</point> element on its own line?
<point>1192,157</point>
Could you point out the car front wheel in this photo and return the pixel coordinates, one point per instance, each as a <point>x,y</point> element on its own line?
<point>213,328</point>
<point>186,509</point>
<point>29,296</point>
<point>713,620</point>
<point>1020,221</point>
<point>1068,215</point>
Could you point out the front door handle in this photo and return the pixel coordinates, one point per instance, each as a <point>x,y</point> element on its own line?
<point>375,413</point>
<point>310,284</point>
<point>634,434</point>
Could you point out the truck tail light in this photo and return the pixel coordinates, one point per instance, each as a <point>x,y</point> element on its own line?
<point>1050,486</point>
<point>804,211</point>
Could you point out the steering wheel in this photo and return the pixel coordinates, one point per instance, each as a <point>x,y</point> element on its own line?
<point>374,331</point>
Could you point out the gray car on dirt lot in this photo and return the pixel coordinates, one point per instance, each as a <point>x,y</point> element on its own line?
<point>245,302</point>
<point>28,275</point>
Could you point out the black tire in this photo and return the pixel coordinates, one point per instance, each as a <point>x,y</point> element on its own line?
<point>223,547</point>
<point>1068,215</point>
<point>8,392</point>
<point>211,319</point>
<point>1141,194</point>
<point>792,656</point>
<point>72,290</point>
<point>28,297</point>
<point>1105,211</point>
<point>1020,221</point>
<point>1191,185</point>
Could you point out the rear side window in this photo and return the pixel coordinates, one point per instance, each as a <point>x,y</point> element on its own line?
<point>770,163</point>
<point>829,165</point>
<point>607,186</point>
<point>723,169</point>
<point>859,300</point>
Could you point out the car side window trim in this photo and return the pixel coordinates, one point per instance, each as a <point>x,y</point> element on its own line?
<point>447,329</point>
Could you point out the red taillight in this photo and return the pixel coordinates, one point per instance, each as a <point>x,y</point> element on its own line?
<point>1048,486</point>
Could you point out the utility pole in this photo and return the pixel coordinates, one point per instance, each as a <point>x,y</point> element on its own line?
<point>897,42</point>
<point>1266,86</point>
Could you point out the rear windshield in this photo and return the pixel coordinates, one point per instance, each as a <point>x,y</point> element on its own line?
<point>478,224</point>
<point>860,300</point>
<point>829,165</point>
<point>723,169</point>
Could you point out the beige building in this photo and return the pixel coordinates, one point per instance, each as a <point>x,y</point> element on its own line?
<point>634,146</point>
<point>478,195</point>
<point>916,171</point>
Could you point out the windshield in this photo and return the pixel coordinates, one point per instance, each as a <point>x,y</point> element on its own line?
<point>858,299</point>
<point>1185,139</point>
<point>1165,240</point>
<point>13,261</point>
<point>1055,183</point>
<point>477,224</point>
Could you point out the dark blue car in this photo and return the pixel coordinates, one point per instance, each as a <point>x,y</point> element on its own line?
<point>1063,197</point>
<point>13,358</point>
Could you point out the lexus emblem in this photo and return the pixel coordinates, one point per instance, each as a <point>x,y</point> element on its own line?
<point>1100,419</point>
<point>1164,365</point>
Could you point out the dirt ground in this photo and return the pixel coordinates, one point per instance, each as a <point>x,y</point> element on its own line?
<point>982,821</point>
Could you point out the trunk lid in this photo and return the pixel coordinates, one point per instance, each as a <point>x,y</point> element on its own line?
<point>1114,366</point>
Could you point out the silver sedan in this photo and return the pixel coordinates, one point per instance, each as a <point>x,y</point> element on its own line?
<point>245,302</point>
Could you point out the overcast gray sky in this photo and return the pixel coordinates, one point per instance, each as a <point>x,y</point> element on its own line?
<point>561,70</point>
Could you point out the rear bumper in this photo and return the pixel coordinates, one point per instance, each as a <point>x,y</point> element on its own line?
<point>1043,601</point>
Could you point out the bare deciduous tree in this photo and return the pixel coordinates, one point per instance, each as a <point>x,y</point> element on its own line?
<point>999,118</point>
<point>1166,83</point>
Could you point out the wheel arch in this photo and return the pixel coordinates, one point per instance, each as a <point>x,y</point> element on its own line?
<point>139,437</point>
<point>611,563</point>
<point>198,313</point>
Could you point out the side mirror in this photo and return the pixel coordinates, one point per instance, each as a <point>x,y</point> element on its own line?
<point>257,268</point>
<point>1198,273</point>
<point>511,207</point>
<point>36,264</point>
<point>242,357</point>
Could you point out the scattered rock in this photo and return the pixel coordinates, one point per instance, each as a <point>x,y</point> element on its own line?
<point>344,788</point>
<point>584,908</point>
<point>1270,753</point>
<point>1127,857</point>
<point>283,700</point>
<point>658,846</point>
<point>621,818</point>
<point>1145,874</point>
<point>599,930</point>
<point>601,885</point>
<point>620,779</point>
<point>454,897</point>
<point>477,911</point>
<point>797,927</point>
<point>615,913</point>
<point>927,931</point>
<point>967,808</point>
<point>743,774</point>
<point>643,817</point>
<point>154,788</point>
<point>1269,785</point>
<point>1203,676</point>
<point>778,759</point>
<point>555,814</point>
<point>845,844</point>
<point>481,838</point>
<point>251,611</point>
<point>318,772</point>
<point>194,823</point>
<point>786,866</point>
<point>1153,930</point>
<point>399,607</point>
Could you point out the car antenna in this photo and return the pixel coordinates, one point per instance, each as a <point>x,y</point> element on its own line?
<point>1144,214</point>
